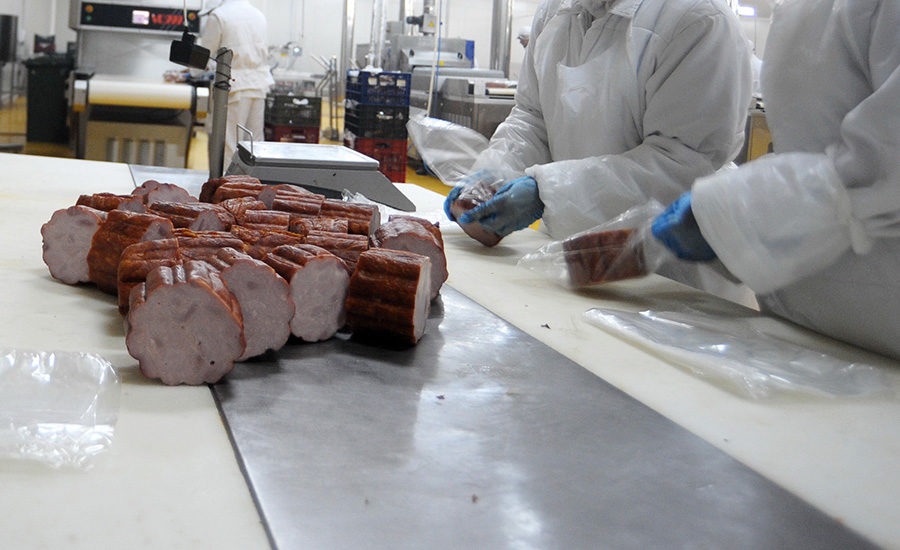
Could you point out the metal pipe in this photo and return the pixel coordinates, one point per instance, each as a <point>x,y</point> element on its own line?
<point>221,86</point>
<point>349,20</point>
<point>501,35</point>
<point>376,34</point>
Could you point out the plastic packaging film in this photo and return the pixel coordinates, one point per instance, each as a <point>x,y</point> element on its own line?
<point>57,408</point>
<point>742,354</point>
<point>448,149</point>
<point>622,248</point>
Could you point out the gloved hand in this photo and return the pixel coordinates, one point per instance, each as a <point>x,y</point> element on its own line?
<point>482,176</point>
<point>515,206</point>
<point>677,228</point>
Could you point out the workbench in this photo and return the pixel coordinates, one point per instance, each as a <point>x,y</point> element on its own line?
<point>173,479</point>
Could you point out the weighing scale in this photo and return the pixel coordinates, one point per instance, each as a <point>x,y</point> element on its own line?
<point>321,168</point>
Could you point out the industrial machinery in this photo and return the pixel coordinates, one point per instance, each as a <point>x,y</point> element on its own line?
<point>123,108</point>
<point>476,98</point>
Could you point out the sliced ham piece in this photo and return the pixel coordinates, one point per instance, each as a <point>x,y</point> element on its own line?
<point>363,219</point>
<point>259,242</point>
<point>198,216</point>
<point>345,246</point>
<point>237,189</point>
<point>419,236</point>
<point>266,219</point>
<point>209,187</point>
<point>121,229</point>
<point>203,245</point>
<point>389,295</point>
<point>299,205</point>
<point>264,297</point>
<point>239,206</point>
<point>319,284</point>
<point>109,201</point>
<point>152,191</point>
<point>67,238</point>
<point>303,225</point>
<point>138,260</point>
<point>184,326</point>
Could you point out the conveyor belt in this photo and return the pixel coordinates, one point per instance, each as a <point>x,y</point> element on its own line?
<point>482,437</point>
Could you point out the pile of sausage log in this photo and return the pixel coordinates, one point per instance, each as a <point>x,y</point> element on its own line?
<point>204,283</point>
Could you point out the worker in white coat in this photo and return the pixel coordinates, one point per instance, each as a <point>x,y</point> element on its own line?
<point>814,229</point>
<point>240,27</point>
<point>618,102</point>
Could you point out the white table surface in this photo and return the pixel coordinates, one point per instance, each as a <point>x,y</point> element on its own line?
<point>170,479</point>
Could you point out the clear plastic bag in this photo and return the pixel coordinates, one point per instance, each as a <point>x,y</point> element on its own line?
<point>58,408</point>
<point>622,248</point>
<point>448,149</point>
<point>747,354</point>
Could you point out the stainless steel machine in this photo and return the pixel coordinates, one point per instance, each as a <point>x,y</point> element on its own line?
<point>123,108</point>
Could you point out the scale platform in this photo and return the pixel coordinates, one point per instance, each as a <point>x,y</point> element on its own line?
<point>321,168</point>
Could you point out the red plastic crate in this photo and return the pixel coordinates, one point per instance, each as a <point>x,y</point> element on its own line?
<point>390,154</point>
<point>292,134</point>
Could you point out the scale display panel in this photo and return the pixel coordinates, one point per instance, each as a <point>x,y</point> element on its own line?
<point>126,16</point>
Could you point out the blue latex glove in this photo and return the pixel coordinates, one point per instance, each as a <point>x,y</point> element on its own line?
<point>677,228</point>
<point>481,176</point>
<point>515,206</point>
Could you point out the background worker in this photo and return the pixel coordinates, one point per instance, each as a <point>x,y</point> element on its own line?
<point>237,25</point>
<point>814,229</point>
<point>618,102</point>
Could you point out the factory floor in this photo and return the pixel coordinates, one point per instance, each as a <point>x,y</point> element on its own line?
<point>12,139</point>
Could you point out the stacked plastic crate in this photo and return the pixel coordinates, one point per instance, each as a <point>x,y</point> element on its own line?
<point>293,118</point>
<point>375,115</point>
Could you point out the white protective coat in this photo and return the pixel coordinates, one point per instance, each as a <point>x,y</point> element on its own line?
<point>237,25</point>
<point>815,228</point>
<point>622,101</point>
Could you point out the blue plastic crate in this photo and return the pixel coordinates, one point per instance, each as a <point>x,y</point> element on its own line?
<point>384,88</point>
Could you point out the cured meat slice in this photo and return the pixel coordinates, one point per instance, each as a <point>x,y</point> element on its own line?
<point>328,225</point>
<point>468,199</point>
<point>121,229</point>
<point>299,205</point>
<point>152,191</point>
<point>204,245</point>
<point>67,238</point>
<point>603,256</point>
<point>319,284</point>
<point>266,219</point>
<point>389,295</point>
<point>419,236</point>
<point>199,216</point>
<point>237,189</point>
<point>363,219</point>
<point>345,246</point>
<point>138,260</point>
<point>285,190</point>
<point>259,242</point>
<point>184,326</point>
<point>109,201</point>
<point>210,186</point>
<point>264,297</point>
<point>238,207</point>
